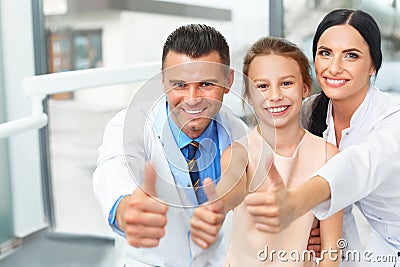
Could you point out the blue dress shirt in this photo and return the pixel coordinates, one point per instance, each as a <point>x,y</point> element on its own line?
<point>209,160</point>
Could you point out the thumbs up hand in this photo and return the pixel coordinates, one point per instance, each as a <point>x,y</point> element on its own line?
<point>140,215</point>
<point>272,211</point>
<point>207,219</point>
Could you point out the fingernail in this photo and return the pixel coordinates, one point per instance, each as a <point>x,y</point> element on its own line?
<point>203,244</point>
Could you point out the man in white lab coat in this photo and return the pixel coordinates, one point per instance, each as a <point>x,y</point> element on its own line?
<point>149,206</point>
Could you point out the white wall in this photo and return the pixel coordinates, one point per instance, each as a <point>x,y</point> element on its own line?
<point>18,62</point>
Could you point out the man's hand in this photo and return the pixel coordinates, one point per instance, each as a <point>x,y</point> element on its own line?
<point>272,211</point>
<point>140,215</point>
<point>314,241</point>
<point>207,219</point>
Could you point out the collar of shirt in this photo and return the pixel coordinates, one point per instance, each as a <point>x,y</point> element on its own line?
<point>222,136</point>
<point>356,120</point>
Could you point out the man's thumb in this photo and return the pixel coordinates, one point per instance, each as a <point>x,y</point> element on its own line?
<point>275,179</point>
<point>150,178</point>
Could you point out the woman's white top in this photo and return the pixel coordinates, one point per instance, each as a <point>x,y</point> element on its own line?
<point>367,170</point>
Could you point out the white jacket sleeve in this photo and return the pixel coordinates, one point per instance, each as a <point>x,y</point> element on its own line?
<point>112,177</point>
<point>372,166</point>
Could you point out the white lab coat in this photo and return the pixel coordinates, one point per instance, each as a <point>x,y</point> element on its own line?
<point>366,172</point>
<point>132,137</point>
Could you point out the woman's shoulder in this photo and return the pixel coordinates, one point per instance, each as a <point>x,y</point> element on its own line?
<point>384,100</point>
<point>385,107</point>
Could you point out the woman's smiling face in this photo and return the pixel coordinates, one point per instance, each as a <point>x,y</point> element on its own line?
<point>343,64</point>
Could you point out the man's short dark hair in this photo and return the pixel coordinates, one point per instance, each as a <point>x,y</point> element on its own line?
<point>196,40</point>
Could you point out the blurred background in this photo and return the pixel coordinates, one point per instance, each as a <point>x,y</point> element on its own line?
<point>49,215</point>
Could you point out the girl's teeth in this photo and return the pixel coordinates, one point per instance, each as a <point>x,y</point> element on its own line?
<point>277,110</point>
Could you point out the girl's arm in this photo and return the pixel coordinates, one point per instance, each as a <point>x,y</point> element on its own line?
<point>207,219</point>
<point>331,229</point>
<point>331,233</point>
<point>232,186</point>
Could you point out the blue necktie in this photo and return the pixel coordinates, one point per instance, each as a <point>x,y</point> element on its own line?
<point>192,165</point>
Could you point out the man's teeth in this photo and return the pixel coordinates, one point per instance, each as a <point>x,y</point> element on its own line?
<point>277,109</point>
<point>336,82</point>
<point>193,111</point>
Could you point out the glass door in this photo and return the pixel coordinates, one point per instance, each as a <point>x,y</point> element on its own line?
<point>6,213</point>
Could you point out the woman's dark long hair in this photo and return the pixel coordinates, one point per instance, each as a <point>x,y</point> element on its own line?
<point>368,29</point>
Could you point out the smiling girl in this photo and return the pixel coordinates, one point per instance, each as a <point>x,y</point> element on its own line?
<point>277,79</point>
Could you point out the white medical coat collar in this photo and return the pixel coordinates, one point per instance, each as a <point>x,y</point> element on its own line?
<point>357,120</point>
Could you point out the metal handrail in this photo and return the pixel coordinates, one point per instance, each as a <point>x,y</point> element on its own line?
<point>38,87</point>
